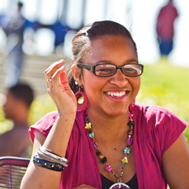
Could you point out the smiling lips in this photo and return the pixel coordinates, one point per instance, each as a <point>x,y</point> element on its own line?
<point>117,94</point>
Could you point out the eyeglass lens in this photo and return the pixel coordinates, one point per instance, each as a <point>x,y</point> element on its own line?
<point>109,69</point>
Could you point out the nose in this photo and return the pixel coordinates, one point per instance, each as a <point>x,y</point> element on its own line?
<point>119,79</point>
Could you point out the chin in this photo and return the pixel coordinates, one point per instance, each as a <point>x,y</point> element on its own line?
<point>116,111</point>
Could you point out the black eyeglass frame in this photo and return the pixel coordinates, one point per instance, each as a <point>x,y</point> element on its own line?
<point>92,68</point>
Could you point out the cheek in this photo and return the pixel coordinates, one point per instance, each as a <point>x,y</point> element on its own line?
<point>88,79</point>
<point>7,109</point>
<point>92,84</point>
<point>135,83</point>
<point>6,105</point>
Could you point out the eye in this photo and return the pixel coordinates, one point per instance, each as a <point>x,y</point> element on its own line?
<point>105,68</point>
<point>129,69</point>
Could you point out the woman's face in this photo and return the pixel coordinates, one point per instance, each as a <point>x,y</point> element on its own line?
<point>111,95</point>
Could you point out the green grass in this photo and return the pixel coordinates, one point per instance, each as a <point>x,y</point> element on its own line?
<point>162,84</point>
<point>166,85</point>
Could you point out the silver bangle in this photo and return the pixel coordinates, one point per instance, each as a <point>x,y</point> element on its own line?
<point>40,154</point>
<point>58,159</point>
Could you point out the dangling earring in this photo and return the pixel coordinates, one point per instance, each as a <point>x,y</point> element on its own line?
<point>82,101</point>
<point>132,105</point>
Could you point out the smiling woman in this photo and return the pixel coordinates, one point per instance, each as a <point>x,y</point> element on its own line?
<point>80,138</point>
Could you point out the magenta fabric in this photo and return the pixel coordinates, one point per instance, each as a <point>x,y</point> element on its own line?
<point>156,129</point>
<point>165,21</point>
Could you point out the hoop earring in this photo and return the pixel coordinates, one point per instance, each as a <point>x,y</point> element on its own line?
<point>82,101</point>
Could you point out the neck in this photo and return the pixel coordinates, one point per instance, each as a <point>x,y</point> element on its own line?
<point>109,128</point>
<point>22,117</point>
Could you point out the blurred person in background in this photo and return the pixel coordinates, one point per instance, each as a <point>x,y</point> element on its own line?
<point>14,26</point>
<point>165,28</point>
<point>16,108</point>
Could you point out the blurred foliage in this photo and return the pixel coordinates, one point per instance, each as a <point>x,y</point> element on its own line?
<point>5,124</point>
<point>41,106</point>
<point>162,84</point>
<point>166,85</point>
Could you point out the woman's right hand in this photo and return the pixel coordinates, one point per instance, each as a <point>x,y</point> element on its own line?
<point>59,88</point>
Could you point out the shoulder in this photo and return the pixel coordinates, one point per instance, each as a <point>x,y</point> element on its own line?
<point>47,120</point>
<point>153,117</point>
<point>157,127</point>
<point>151,110</point>
<point>45,124</point>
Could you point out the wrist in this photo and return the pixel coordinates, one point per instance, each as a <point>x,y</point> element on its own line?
<point>67,118</point>
<point>70,113</point>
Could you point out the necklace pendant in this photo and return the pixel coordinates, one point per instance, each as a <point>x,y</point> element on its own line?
<point>119,185</point>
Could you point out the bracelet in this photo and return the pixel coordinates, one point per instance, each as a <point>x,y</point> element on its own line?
<point>50,158</point>
<point>47,164</point>
<point>58,159</point>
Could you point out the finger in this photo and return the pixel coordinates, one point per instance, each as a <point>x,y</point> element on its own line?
<point>56,76</point>
<point>49,72</point>
<point>54,85</point>
<point>53,64</point>
<point>64,81</point>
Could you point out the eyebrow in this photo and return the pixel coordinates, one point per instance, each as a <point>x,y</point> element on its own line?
<point>109,62</point>
<point>131,60</point>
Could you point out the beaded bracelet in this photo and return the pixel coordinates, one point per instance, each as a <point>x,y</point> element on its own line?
<point>47,164</point>
<point>54,157</point>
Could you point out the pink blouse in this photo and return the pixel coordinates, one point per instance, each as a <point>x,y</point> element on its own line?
<point>155,130</point>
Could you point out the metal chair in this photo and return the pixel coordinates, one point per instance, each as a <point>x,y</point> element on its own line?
<point>12,170</point>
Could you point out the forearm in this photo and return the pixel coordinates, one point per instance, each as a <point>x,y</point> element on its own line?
<point>40,178</point>
<point>59,135</point>
<point>57,141</point>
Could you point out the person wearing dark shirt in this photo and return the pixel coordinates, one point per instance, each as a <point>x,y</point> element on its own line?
<point>16,108</point>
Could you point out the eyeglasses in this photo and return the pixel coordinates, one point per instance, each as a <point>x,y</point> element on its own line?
<point>106,70</point>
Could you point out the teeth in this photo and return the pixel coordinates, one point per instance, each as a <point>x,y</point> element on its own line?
<point>116,94</point>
